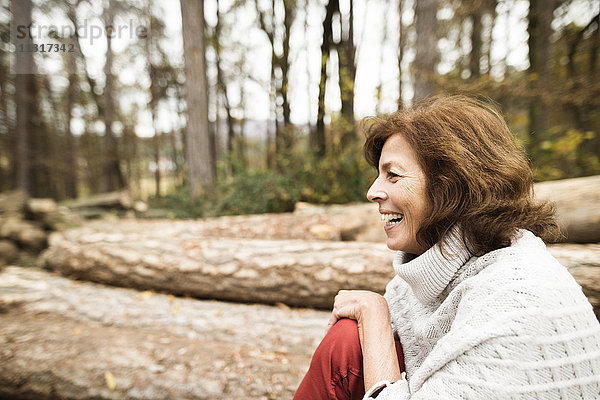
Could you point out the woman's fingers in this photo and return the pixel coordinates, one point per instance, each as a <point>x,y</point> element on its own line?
<point>346,305</point>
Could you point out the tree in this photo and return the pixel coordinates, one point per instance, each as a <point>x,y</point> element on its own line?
<point>221,85</point>
<point>112,178</point>
<point>25,91</point>
<point>201,164</point>
<point>318,139</point>
<point>154,90</point>
<point>539,29</point>
<point>426,53</point>
<point>6,122</point>
<point>70,166</point>
<point>401,46</point>
<point>346,51</point>
<point>280,62</point>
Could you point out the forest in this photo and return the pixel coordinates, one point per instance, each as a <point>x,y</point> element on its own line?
<point>182,182</point>
<point>239,107</point>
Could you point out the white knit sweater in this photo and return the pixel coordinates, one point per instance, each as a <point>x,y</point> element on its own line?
<point>511,324</point>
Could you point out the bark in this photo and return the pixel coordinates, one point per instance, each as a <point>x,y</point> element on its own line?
<point>70,166</point>
<point>539,30</point>
<point>401,45</point>
<point>582,111</point>
<point>112,179</point>
<point>288,20</point>
<point>76,340</point>
<point>13,203</point>
<point>279,72</point>
<point>577,203</point>
<point>201,164</point>
<point>222,87</point>
<point>24,222</point>
<point>476,42</point>
<point>318,143</point>
<point>24,96</point>
<point>426,51</point>
<point>248,270</point>
<point>112,200</point>
<point>347,73</point>
<point>7,135</point>
<point>583,262</point>
<point>154,98</point>
<point>89,148</point>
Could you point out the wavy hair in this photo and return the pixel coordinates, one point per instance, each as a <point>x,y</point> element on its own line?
<point>477,177</point>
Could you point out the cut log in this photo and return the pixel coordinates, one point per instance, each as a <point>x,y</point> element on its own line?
<point>583,262</point>
<point>120,200</point>
<point>8,252</point>
<point>577,206</point>
<point>13,203</point>
<point>27,234</point>
<point>61,339</point>
<point>167,256</point>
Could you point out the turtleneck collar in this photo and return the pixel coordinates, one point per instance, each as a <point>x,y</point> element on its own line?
<point>430,273</point>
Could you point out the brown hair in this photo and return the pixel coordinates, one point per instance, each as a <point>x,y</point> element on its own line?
<point>476,175</point>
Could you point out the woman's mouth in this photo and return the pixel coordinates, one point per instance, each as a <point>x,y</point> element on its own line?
<point>391,220</point>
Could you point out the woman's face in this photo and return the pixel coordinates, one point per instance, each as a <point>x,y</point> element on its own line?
<point>400,191</point>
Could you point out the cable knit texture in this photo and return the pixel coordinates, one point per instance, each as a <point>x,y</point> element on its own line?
<point>511,324</point>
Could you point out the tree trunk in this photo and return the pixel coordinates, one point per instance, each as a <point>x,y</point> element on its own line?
<point>7,136</point>
<point>401,45</point>
<point>201,165</point>
<point>241,145</point>
<point>89,144</point>
<point>154,98</point>
<point>347,73</point>
<point>222,88</point>
<point>288,20</point>
<point>24,95</point>
<point>74,340</point>
<point>112,178</point>
<point>70,166</point>
<point>318,143</point>
<point>475,55</point>
<point>426,50</point>
<point>539,30</point>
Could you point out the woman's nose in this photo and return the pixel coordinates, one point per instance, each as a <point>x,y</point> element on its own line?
<point>376,193</point>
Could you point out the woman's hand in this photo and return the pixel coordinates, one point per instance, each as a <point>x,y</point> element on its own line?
<point>362,306</point>
<point>370,310</point>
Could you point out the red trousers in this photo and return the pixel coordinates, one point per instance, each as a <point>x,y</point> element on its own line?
<point>336,369</point>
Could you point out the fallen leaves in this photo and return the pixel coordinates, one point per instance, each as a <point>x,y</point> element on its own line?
<point>109,378</point>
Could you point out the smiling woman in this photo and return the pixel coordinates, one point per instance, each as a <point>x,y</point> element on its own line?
<point>478,309</point>
<point>400,190</point>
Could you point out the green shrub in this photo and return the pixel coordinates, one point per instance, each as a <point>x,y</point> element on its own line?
<point>341,176</point>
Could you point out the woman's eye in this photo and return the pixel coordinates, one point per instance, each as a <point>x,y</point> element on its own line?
<point>392,175</point>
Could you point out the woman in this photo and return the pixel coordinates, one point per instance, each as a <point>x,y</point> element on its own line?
<point>479,306</point>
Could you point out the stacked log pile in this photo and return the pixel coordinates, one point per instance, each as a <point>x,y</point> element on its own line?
<point>60,338</point>
<point>172,256</point>
<point>24,224</point>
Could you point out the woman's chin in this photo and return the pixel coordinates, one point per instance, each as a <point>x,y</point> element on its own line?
<point>393,245</point>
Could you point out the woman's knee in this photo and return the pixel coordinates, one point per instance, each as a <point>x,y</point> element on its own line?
<point>342,344</point>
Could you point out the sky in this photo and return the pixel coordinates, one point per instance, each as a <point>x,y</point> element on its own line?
<point>376,27</point>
